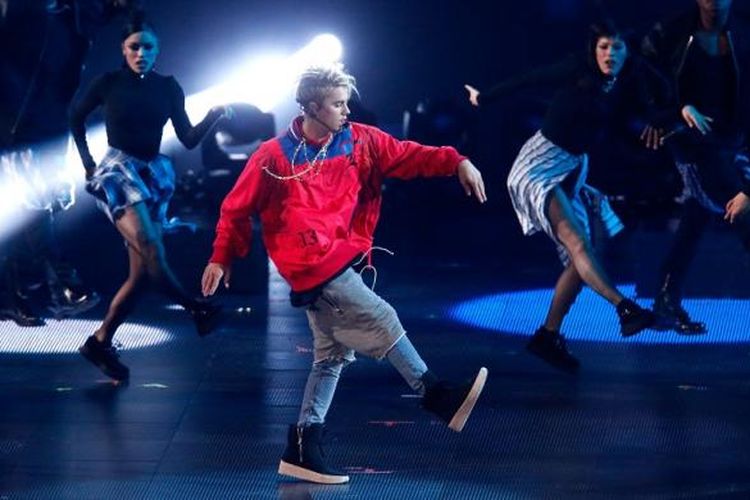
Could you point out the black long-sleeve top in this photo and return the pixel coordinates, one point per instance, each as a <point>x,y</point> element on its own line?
<point>136,108</point>
<point>583,110</point>
<point>671,47</point>
<point>708,83</point>
<point>718,86</point>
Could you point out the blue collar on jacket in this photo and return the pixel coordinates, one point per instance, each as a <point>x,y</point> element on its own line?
<point>341,145</point>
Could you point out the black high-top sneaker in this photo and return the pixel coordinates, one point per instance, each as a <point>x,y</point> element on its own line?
<point>304,457</point>
<point>633,318</point>
<point>552,348</point>
<point>104,357</point>
<point>452,403</point>
<point>672,316</point>
<point>206,317</point>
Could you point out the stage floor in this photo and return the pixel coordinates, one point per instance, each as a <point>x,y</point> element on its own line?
<point>655,416</point>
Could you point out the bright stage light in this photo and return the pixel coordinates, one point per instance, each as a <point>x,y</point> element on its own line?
<point>324,49</point>
<point>65,336</point>
<point>264,82</point>
<point>35,180</point>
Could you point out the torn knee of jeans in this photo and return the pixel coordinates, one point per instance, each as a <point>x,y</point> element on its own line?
<point>344,360</point>
<point>390,347</point>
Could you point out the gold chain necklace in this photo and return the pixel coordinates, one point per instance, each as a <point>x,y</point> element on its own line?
<point>311,165</point>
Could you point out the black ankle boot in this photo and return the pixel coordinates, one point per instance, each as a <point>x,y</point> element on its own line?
<point>70,301</point>
<point>304,457</point>
<point>105,357</point>
<point>452,403</point>
<point>633,318</point>
<point>18,310</point>
<point>671,315</point>
<point>206,316</point>
<point>552,348</point>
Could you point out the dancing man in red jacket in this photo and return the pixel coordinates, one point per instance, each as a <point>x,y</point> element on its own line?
<point>317,190</point>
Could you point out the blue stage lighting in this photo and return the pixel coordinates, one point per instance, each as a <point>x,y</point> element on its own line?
<point>592,318</point>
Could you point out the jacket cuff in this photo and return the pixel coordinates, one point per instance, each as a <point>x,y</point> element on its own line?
<point>222,255</point>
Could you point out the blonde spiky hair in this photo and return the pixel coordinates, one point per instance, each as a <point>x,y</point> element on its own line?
<point>316,82</point>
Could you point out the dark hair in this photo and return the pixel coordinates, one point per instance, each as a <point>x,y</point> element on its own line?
<point>136,24</point>
<point>113,9</point>
<point>603,28</point>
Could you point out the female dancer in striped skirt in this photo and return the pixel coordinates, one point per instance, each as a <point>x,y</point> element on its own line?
<point>547,183</point>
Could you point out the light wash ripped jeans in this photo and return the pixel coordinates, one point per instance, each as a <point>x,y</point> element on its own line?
<point>348,317</point>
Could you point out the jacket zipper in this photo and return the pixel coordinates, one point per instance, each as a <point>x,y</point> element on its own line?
<point>682,65</point>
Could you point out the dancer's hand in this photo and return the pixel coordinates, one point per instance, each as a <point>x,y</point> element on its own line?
<point>473,95</point>
<point>89,167</point>
<point>652,137</point>
<point>226,111</point>
<point>471,180</point>
<point>212,277</point>
<point>736,207</point>
<point>696,119</point>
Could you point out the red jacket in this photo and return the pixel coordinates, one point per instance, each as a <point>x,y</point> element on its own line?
<point>314,225</point>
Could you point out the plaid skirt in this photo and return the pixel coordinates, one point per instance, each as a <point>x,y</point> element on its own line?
<point>121,181</point>
<point>540,166</point>
<point>692,184</point>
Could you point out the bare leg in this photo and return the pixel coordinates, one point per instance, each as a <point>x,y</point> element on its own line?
<point>147,260</point>
<point>144,236</point>
<point>547,342</point>
<point>570,233</point>
<point>125,298</point>
<point>568,287</point>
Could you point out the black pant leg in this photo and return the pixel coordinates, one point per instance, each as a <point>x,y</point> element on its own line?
<point>674,268</point>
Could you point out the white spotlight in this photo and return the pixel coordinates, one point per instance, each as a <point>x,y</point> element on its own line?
<point>266,81</point>
<point>65,336</point>
<point>326,47</point>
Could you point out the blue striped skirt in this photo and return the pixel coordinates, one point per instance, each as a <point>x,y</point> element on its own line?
<point>539,168</point>
<point>121,181</point>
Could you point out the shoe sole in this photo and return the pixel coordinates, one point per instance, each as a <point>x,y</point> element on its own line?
<point>664,324</point>
<point>103,368</point>
<point>687,332</point>
<point>569,369</point>
<point>458,421</point>
<point>297,472</point>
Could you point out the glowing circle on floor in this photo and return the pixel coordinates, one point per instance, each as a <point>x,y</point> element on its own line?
<point>591,318</point>
<point>69,334</point>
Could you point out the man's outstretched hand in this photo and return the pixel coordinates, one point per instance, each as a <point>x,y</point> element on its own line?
<point>212,276</point>
<point>471,180</point>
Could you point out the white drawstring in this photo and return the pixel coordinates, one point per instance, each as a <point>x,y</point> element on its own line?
<point>369,266</point>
